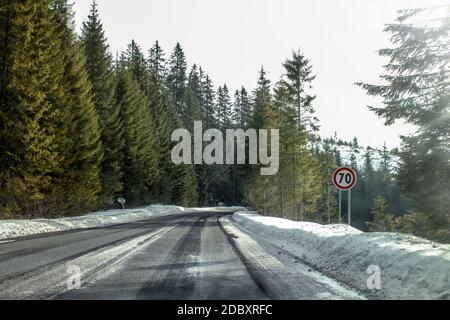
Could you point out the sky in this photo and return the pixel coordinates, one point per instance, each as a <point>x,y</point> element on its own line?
<point>232,39</point>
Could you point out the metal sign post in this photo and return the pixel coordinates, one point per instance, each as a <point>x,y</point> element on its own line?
<point>345,179</point>
<point>122,202</point>
<point>350,207</point>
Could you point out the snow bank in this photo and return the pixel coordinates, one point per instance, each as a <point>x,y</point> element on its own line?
<point>411,267</point>
<point>17,228</point>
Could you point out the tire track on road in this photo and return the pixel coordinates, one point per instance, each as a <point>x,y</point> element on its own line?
<point>179,280</point>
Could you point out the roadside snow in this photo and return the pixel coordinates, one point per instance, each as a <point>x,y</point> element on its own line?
<point>18,228</point>
<point>411,267</point>
<point>281,275</point>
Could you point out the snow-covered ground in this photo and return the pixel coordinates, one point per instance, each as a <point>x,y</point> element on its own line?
<point>409,267</point>
<point>17,228</point>
<point>280,274</point>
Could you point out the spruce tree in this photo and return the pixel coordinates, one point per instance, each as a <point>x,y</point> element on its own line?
<point>165,122</point>
<point>369,169</point>
<point>258,119</point>
<point>192,109</point>
<point>30,83</point>
<point>298,78</point>
<point>328,201</point>
<point>382,220</point>
<point>176,78</point>
<point>353,163</point>
<point>178,184</point>
<point>208,101</point>
<point>237,114</point>
<point>262,100</point>
<point>224,107</point>
<point>195,110</point>
<point>76,186</point>
<point>99,67</point>
<point>386,159</point>
<point>140,156</point>
<point>338,157</point>
<point>133,59</point>
<point>416,89</point>
<point>194,82</point>
<point>246,107</point>
<point>157,62</point>
<point>298,125</point>
<point>188,187</point>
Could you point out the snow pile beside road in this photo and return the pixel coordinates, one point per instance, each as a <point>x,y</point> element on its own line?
<point>411,267</point>
<point>18,228</point>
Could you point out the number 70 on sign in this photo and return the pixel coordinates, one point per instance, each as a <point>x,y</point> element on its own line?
<point>345,179</point>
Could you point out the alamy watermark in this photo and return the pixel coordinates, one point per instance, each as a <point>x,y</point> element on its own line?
<point>235,147</point>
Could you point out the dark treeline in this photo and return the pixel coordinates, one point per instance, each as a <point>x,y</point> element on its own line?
<point>79,128</point>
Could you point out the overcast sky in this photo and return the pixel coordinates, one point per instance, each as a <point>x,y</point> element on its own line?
<point>232,39</point>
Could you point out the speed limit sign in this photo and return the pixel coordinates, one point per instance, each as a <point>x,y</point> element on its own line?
<point>344,178</point>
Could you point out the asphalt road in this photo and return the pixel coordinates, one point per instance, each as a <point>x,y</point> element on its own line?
<point>189,256</point>
<point>183,256</point>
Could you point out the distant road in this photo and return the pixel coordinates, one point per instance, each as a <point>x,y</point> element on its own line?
<point>181,256</point>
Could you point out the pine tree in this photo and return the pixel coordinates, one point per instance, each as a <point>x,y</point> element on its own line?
<point>77,185</point>
<point>369,170</point>
<point>246,108</point>
<point>353,162</point>
<point>178,183</point>
<point>176,78</point>
<point>241,108</point>
<point>386,160</point>
<point>261,102</point>
<point>188,190</point>
<point>165,122</point>
<point>194,103</point>
<point>224,107</point>
<point>297,79</point>
<point>194,82</point>
<point>157,62</point>
<point>295,191</point>
<point>31,73</point>
<point>302,129</point>
<point>327,203</point>
<point>416,89</point>
<point>355,144</point>
<point>218,176</point>
<point>140,156</point>
<point>192,109</point>
<point>382,220</point>
<point>134,61</point>
<point>268,194</point>
<point>338,157</point>
<point>237,114</point>
<point>208,100</point>
<point>99,67</point>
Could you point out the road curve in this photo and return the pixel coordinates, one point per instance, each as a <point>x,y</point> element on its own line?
<point>182,256</point>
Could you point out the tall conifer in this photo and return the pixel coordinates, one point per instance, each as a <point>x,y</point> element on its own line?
<point>99,67</point>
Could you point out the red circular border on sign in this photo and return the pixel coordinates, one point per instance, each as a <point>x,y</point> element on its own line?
<point>352,172</point>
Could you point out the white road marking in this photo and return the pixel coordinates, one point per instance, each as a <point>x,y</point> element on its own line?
<point>6,241</point>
